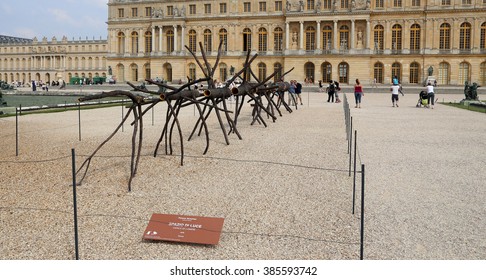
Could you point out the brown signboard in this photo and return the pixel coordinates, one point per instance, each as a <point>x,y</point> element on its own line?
<point>187,229</point>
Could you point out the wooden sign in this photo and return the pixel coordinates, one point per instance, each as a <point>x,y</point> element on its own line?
<point>187,229</point>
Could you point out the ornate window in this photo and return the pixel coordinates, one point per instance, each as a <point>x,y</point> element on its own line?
<point>464,72</point>
<point>414,73</point>
<point>309,70</point>
<point>344,37</point>
<point>310,38</point>
<point>445,36</point>
<point>223,72</point>
<point>208,40</point>
<point>134,42</point>
<point>262,40</point>
<point>134,72</point>
<point>222,8</point>
<point>415,37</point>
<point>207,9</point>
<point>397,3</point>
<point>482,39</point>
<point>246,39</point>
<point>327,38</point>
<point>147,72</point>
<point>311,5</point>
<point>262,6</point>
<point>465,36</point>
<point>344,4</point>
<point>278,6</point>
<point>343,72</point>
<point>223,36</point>
<point>327,4</point>
<point>326,70</point>
<point>397,70</point>
<point>278,39</point>
<point>379,4</point>
<point>192,71</point>
<point>192,9</point>
<point>444,73</point>
<point>378,72</point>
<point>379,32</point>
<point>148,42</point>
<point>192,40</point>
<point>247,7</point>
<point>482,74</point>
<point>397,37</point>
<point>121,42</point>
<point>262,71</point>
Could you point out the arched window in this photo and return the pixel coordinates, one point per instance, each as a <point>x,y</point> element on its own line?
<point>397,71</point>
<point>147,72</point>
<point>309,70</point>
<point>344,37</point>
<point>192,41</point>
<point>310,38</point>
<point>414,73</point>
<point>120,72</point>
<point>464,73</point>
<point>343,72</point>
<point>170,41</point>
<point>223,37</point>
<point>246,39</point>
<point>223,72</point>
<point>277,67</point>
<point>326,70</point>
<point>310,5</point>
<point>415,38</point>
<point>121,42</point>
<point>327,38</point>
<point>148,42</point>
<point>445,36</point>
<point>378,32</point>
<point>482,40</point>
<point>396,37</point>
<point>168,71</point>
<point>378,71</point>
<point>278,39</point>
<point>134,37</point>
<point>262,71</point>
<point>134,72</point>
<point>262,40</point>
<point>90,63</point>
<point>482,74</point>
<point>208,40</point>
<point>192,71</point>
<point>444,73</point>
<point>465,36</point>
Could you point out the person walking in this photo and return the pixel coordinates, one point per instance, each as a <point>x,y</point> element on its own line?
<point>430,95</point>
<point>298,91</point>
<point>395,89</point>
<point>358,93</point>
<point>331,89</point>
<point>291,98</point>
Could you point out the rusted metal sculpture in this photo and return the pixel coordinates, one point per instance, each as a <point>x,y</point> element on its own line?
<point>207,101</point>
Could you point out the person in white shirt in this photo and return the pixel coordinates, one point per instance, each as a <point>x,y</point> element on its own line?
<point>430,95</point>
<point>395,89</point>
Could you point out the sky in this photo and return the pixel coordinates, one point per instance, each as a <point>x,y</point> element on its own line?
<point>49,18</point>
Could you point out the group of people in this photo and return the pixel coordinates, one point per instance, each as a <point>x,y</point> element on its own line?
<point>295,92</point>
<point>332,91</point>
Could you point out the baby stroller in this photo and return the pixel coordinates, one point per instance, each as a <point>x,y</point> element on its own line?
<point>423,99</point>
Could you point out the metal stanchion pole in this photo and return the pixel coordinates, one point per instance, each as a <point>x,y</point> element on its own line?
<point>123,105</point>
<point>16,132</point>
<point>349,146</point>
<point>79,120</point>
<point>354,171</point>
<point>76,247</point>
<point>362,210</point>
<point>152,116</point>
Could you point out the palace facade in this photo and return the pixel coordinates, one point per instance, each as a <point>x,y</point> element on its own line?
<point>26,60</point>
<point>321,39</point>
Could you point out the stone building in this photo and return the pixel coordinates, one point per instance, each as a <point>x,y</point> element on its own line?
<point>323,39</point>
<point>25,60</point>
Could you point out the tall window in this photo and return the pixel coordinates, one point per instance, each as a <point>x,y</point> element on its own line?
<point>414,72</point>
<point>170,41</point>
<point>397,37</point>
<point>146,67</point>
<point>134,42</point>
<point>310,38</point>
<point>415,3</point>
<point>192,9</point>
<point>247,7</point>
<point>246,39</point>
<point>262,6</point>
<point>344,4</point>
<point>278,6</point>
<point>192,40</point>
<point>397,3</point>
<point>344,37</point>
<point>223,37</point>
<point>482,74</point>
<point>327,4</point>
<point>170,10</point>
<point>327,38</point>
<point>134,12</point>
<point>148,11</point>
<point>466,2</point>
<point>343,73</point>
<point>309,70</point>
<point>121,12</point>
<point>482,39</point>
<point>464,72</point>
<point>444,73</point>
<point>208,40</point>
<point>379,4</point>
<point>445,36</point>
<point>134,72</point>
<point>223,72</point>
<point>445,2</point>
<point>326,71</point>
<point>277,67</point>
<point>415,38</point>
<point>310,4</point>
<point>262,40</point>
<point>222,8</point>
<point>397,71</point>
<point>121,42</point>
<point>465,36</point>
<point>207,8</point>
<point>278,39</point>
<point>379,31</point>
<point>148,42</point>
<point>262,71</point>
<point>378,72</point>
<point>192,71</point>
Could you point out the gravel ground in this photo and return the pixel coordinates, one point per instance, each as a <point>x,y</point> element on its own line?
<point>283,190</point>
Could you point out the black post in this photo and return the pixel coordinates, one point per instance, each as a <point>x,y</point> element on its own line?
<point>152,116</point>
<point>349,146</point>
<point>74,205</point>
<point>123,105</point>
<point>362,209</point>
<point>16,132</point>
<point>79,120</point>
<point>354,171</point>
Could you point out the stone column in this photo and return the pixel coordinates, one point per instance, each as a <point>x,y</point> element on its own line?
<point>335,39</point>
<point>175,38</point>
<point>160,39</point>
<point>153,39</point>
<point>287,35</point>
<point>368,35</point>
<point>183,34</point>
<point>318,37</point>
<point>301,36</point>
<point>353,35</point>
